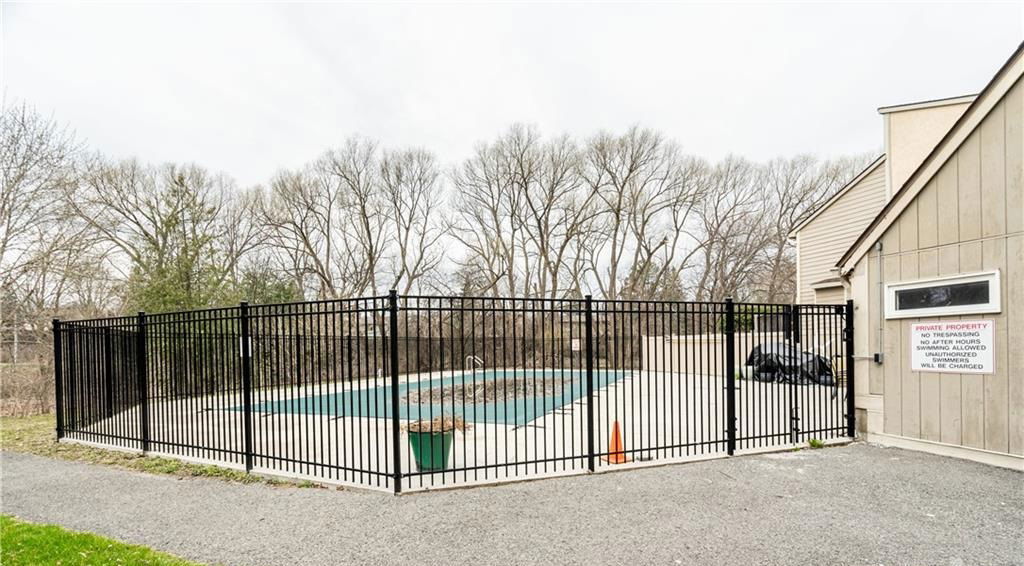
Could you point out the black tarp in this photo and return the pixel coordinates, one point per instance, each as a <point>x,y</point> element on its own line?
<point>783,362</point>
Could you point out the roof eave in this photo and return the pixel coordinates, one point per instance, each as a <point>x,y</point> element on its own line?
<point>1006,76</point>
<point>949,101</point>
<point>839,194</point>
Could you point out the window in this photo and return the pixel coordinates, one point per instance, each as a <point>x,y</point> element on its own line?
<point>973,293</point>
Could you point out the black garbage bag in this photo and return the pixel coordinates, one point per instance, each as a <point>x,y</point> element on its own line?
<point>782,362</point>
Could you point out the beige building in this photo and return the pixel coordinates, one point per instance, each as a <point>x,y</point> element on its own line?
<point>827,233</point>
<point>911,131</point>
<point>936,272</point>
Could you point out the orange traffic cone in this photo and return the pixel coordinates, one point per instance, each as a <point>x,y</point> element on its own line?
<point>616,453</point>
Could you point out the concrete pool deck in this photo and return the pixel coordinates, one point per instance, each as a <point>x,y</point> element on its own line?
<point>853,504</point>
<point>672,417</point>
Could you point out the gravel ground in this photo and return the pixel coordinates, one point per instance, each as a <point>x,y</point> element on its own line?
<point>855,504</point>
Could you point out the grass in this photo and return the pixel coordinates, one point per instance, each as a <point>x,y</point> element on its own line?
<point>813,444</point>
<point>35,435</point>
<point>31,544</point>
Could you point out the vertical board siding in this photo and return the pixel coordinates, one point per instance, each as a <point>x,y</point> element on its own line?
<point>969,188</point>
<point>908,229</point>
<point>969,217</point>
<point>993,256</point>
<point>893,356</point>
<point>910,380</point>
<point>951,386</point>
<point>1014,165</point>
<point>972,385</point>
<point>928,230</point>
<point>948,224</point>
<point>876,378</point>
<point>930,382</point>
<point>1014,285</point>
<point>993,173</point>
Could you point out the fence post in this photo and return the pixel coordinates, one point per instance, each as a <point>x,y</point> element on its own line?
<point>396,433</point>
<point>796,351</point>
<point>245,349</point>
<point>730,377</point>
<point>589,321</point>
<point>851,414</point>
<point>58,376</point>
<point>141,378</point>
<point>108,370</point>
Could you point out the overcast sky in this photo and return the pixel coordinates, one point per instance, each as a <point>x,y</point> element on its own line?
<point>250,89</point>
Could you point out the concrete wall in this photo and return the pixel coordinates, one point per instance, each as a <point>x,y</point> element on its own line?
<point>824,239</point>
<point>705,354</point>
<point>969,217</point>
<point>699,355</point>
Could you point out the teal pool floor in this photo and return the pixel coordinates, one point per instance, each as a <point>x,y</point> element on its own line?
<point>376,402</point>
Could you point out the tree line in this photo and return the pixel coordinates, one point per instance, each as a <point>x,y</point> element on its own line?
<point>617,215</point>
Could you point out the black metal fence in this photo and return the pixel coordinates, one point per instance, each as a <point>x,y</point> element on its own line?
<point>409,392</point>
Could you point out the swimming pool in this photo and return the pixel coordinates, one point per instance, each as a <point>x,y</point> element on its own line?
<point>418,399</point>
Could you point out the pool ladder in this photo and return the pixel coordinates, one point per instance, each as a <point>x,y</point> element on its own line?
<point>472,361</point>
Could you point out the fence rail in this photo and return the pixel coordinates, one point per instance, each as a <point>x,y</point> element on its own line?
<point>412,392</point>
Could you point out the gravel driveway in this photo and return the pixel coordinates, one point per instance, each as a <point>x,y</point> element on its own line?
<point>855,504</point>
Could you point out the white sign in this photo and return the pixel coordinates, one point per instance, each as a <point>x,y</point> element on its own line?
<point>952,347</point>
<point>241,347</point>
<point>574,345</point>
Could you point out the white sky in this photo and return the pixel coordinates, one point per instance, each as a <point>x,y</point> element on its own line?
<point>249,89</point>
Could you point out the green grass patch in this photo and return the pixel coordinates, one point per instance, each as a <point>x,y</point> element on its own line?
<point>23,543</point>
<point>816,443</point>
<point>36,435</point>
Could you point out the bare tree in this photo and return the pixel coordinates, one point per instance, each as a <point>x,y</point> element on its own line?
<point>647,191</point>
<point>525,214</point>
<point>795,189</point>
<point>243,231</point>
<point>365,223</point>
<point>622,215</point>
<point>410,184</point>
<point>35,161</point>
<point>357,219</point>
<point>486,209</point>
<point>730,232</point>
<point>46,265</point>
<point>559,218</point>
<point>172,231</point>
<point>304,219</point>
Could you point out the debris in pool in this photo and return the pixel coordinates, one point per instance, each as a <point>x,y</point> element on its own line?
<point>489,391</point>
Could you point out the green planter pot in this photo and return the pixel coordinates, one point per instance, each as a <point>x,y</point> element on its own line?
<point>431,449</point>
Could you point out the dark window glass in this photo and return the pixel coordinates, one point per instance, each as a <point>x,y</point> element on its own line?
<point>954,295</point>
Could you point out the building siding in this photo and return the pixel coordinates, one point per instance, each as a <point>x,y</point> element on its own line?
<point>823,240</point>
<point>830,295</point>
<point>969,217</point>
<point>912,134</point>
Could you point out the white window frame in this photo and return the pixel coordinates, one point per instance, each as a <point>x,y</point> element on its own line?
<point>992,306</point>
